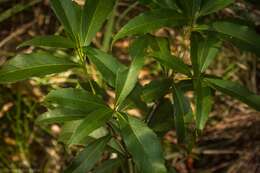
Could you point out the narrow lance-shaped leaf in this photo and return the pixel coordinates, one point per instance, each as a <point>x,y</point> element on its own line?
<point>38,64</point>
<point>49,41</point>
<point>179,113</point>
<point>212,6</point>
<point>60,115</point>
<point>235,90</point>
<point>203,51</point>
<point>87,158</point>
<point>74,99</point>
<point>161,52</point>
<point>127,81</point>
<point>238,33</point>
<point>94,14</point>
<point>106,64</point>
<point>143,145</point>
<point>69,14</point>
<point>204,103</point>
<point>150,21</point>
<point>93,121</point>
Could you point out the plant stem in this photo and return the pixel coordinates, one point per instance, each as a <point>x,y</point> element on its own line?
<point>83,66</point>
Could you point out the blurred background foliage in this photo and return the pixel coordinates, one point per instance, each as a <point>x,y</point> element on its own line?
<point>230,143</point>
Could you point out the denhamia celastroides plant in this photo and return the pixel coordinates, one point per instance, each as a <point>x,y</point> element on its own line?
<point>83,112</point>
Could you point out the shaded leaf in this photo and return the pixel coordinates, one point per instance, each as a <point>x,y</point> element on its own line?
<point>235,90</point>
<point>179,112</point>
<point>235,32</point>
<point>212,6</point>
<point>108,166</point>
<point>87,158</point>
<point>162,120</point>
<point>204,103</point>
<point>156,89</point>
<point>143,144</point>
<point>38,64</point>
<point>91,122</point>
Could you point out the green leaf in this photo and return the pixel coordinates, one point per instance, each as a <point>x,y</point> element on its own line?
<point>74,99</point>
<point>203,51</point>
<point>204,103</point>
<point>143,145</point>
<point>235,32</point>
<point>106,64</point>
<point>156,89</point>
<point>49,41</point>
<point>150,21</point>
<point>162,119</point>
<point>190,8</point>
<point>95,12</point>
<point>38,64</point>
<point>174,63</point>
<point>108,166</point>
<point>91,122</point>
<point>179,112</point>
<point>60,115</point>
<point>212,6</point>
<point>126,80</point>
<point>68,14</point>
<point>134,100</point>
<point>161,52</point>
<point>171,4</point>
<point>235,90</point>
<point>87,158</point>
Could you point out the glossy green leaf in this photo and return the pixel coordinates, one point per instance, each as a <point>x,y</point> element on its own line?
<point>108,166</point>
<point>126,81</point>
<point>179,113</point>
<point>150,21</point>
<point>235,90</point>
<point>204,103</point>
<point>95,12</point>
<point>87,158</point>
<point>74,99</point>
<point>156,89</point>
<point>212,6</point>
<point>69,14</point>
<point>235,32</point>
<point>106,64</point>
<point>38,64</point>
<point>143,145</point>
<point>91,122</point>
<point>60,115</point>
<point>49,41</point>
